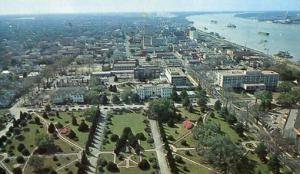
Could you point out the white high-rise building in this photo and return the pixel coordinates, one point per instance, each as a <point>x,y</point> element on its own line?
<point>248,80</point>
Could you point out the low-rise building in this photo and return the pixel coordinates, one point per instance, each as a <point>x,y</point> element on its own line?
<point>69,94</point>
<point>124,65</point>
<point>147,72</point>
<point>248,80</point>
<point>176,76</point>
<point>154,90</point>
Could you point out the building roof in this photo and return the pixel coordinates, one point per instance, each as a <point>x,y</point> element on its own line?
<point>176,72</point>
<point>244,72</point>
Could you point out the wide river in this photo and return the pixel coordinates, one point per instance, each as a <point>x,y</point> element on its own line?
<point>282,37</point>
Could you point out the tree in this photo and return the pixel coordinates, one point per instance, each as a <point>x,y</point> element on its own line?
<point>261,151</point>
<point>74,121</point>
<point>285,86</point>
<point>135,98</point>
<point>186,102</point>
<point>112,167</point>
<point>191,108</point>
<point>116,79</point>
<point>115,99</point>
<point>83,127</point>
<point>287,99</point>
<point>20,159</point>
<point>126,95</point>
<point>231,118</point>
<point>36,162</point>
<point>47,108</point>
<point>17,170</point>
<point>218,105</point>
<point>72,135</point>
<point>175,96</point>
<point>144,165</point>
<point>265,97</point>
<point>51,128</point>
<point>162,109</point>
<point>202,100</point>
<point>224,154</point>
<point>37,120</point>
<point>114,138</point>
<point>274,164</point>
<point>103,99</point>
<point>239,128</point>
<point>21,147</point>
<point>183,94</point>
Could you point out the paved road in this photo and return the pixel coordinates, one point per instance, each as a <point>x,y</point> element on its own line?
<point>15,111</point>
<point>161,156</point>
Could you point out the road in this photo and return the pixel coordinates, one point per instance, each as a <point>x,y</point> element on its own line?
<point>15,111</point>
<point>159,148</point>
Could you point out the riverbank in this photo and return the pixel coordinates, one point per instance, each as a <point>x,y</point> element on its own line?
<point>280,38</point>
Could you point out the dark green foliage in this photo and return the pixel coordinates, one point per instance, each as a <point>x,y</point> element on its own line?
<point>161,109</point>
<point>83,127</point>
<point>114,138</point>
<point>261,151</point>
<point>144,165</point>
<point>51,128</point>
<point>112,167</point>
<point>274,164</point>
<point>20,159</point>
<point>218,105</point>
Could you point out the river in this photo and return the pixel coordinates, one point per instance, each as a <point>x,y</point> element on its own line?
<point>283,37</point>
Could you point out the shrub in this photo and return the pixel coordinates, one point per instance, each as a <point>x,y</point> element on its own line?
<point>114,138</point>
<point>171,138</point>
<point>17,170</point>
<point>141,136</point>
<point>25,152</point>
<point>112,167</point>
<point>179,159</point>
<point>184,143</point>
<point>144,165</point>
<point>20,160</point>
<point>150,140</point>
<point>21,147</point>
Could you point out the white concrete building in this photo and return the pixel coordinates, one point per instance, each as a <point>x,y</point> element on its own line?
<point>248,80</point>
<point>153,90</point>
<point>176,76</point>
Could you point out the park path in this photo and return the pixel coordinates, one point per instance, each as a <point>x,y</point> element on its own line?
<point>161,156</point>
<point>194,162</point>
<point>3,165</point>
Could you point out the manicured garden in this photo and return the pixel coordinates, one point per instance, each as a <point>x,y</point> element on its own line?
<point>33,146</point>
<point>119,152</point>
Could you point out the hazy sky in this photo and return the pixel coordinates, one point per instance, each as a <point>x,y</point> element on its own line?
<point>85,6</point>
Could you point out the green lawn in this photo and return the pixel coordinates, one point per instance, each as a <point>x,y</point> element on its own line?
<point>29,139</point>
<point>226,128</point>
<point>131,170</point>
<point>65,119</point>
<point>49,162</point>
<point>191,116</point>
<point>134,120</point>
<point>192,168</point>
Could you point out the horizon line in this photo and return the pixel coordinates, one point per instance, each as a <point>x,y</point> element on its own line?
<point>133,12</point>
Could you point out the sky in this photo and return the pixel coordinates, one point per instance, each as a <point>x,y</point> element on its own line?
<point>102,6</point>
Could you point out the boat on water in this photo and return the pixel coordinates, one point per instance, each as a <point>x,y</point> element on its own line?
<point>263,41</point>
<point>283,54</point>
<point>231,26</point>
<point>214,21</point>
<point>263,33</point>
